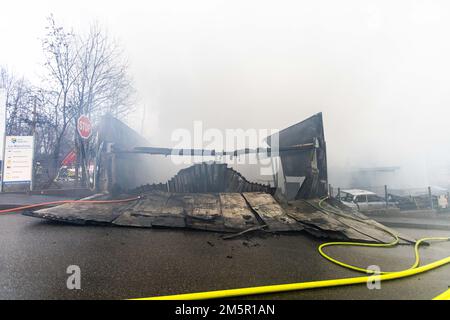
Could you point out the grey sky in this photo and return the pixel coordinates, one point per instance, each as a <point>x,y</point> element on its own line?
<point>379,70</point>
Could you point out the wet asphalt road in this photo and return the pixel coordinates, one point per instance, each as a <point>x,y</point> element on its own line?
<point>119,263</point>
<point>11,200</point>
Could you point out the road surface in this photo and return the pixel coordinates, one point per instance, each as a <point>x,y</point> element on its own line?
<point>120,263</point>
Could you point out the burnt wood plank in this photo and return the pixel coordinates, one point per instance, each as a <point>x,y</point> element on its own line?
<point>271,212</point>
<point>237,215</point>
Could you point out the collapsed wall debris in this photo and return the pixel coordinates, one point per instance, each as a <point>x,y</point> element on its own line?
<point>225,212</point>
<point>206,177</point>
<point>211,196</point>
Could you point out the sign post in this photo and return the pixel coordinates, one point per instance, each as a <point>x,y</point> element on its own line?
<point>2,134</point>
<point>18,160</point>
<point>84,127</point>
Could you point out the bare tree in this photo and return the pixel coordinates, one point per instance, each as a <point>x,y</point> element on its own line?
<point>18,95</point>
<point>84,75</point>
<point>61,54</point>
<point>29,112</point>
<point>102,86</point>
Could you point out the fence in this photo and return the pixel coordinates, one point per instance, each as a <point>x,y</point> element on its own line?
<point>405,198</point>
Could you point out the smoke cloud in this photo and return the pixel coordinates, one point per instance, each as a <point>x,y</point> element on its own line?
<point>378,70</point>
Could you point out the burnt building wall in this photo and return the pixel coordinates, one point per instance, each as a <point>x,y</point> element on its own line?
<point>301,147</point>
<point>121,170</point>
<point>305,171</point>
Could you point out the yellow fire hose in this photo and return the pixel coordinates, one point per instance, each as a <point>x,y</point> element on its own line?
<point>382,276</point>
<point>443,296</point>
<point>304,285</point>
<point>383,245</point>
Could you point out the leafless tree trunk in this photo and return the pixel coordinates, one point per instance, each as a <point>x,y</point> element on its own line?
<point>102,86</point>
<point>84,75</point>
<point>61,55</point>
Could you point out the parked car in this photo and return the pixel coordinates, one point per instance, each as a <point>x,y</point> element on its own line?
<point>363,200</point>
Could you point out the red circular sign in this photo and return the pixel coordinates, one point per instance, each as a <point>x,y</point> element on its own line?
<point>84,127</point>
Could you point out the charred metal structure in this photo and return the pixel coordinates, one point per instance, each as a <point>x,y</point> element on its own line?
<point>206,177</point>
<point>301,149</point>
<point>305,170</point>
<point>212,196</point>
